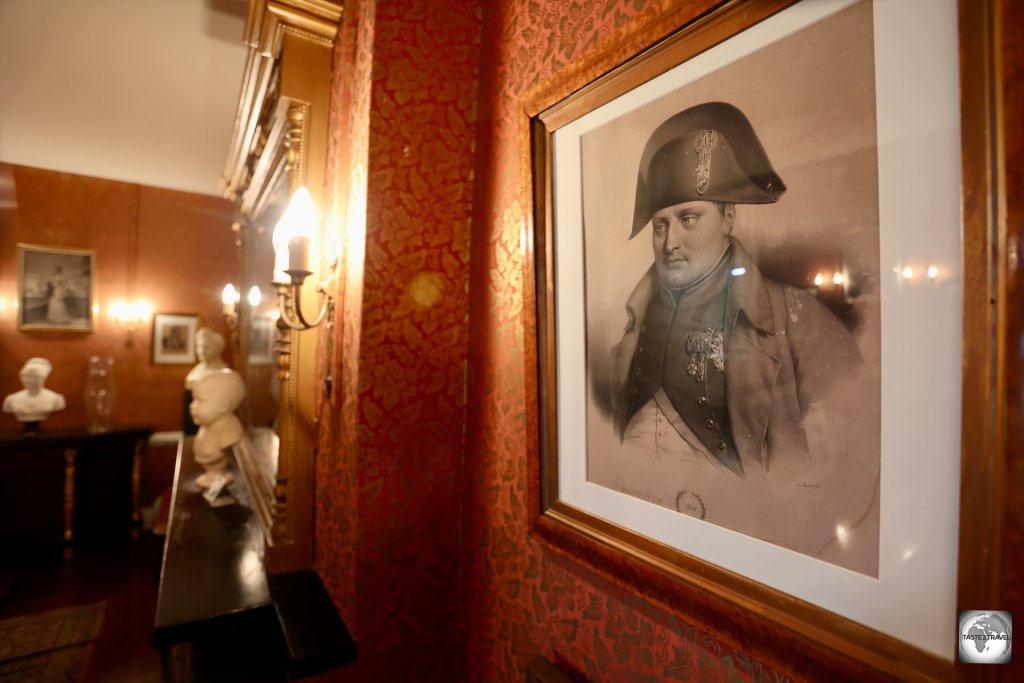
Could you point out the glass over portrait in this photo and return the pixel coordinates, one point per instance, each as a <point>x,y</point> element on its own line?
<point>732,310</point>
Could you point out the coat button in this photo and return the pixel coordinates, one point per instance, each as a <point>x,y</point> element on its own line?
<point>710,424</point>
<point>643,327</point>
<point>702,401</point>
<point>640,349</point>
<point>721,445</point>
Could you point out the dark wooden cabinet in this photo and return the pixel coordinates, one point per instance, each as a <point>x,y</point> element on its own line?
<point>69,484</point>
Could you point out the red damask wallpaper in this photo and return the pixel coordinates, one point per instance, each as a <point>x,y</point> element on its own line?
<point>402,163</point>
<point>519,598</point>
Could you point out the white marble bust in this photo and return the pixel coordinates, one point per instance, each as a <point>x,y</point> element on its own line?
<point>214,399</point>
<point>209,347</point>
<point>35,402</point>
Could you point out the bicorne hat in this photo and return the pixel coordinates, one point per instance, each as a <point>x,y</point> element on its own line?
<point>708,152</point>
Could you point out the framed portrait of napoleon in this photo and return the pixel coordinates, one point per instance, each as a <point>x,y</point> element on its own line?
<point>748,245</point>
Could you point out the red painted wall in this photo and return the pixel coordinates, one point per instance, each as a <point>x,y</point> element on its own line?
<point>174,249</point>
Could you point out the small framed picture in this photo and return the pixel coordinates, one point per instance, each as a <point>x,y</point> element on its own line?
<point>55,288</point>
<point>261,341</point>
<point>174,338</point>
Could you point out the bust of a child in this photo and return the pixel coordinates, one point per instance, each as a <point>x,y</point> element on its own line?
<point>215,397</point>
<point>35,402</point>
<point>209,347</point>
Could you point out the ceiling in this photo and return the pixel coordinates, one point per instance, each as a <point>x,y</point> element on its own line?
<point>143,91</point>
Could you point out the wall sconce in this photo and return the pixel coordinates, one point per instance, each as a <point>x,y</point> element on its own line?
<point>130,314</point>
<point>255,296</point>
<point>291,262</point>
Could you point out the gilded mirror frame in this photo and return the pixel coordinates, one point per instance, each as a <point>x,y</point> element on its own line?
<point>281,133</point>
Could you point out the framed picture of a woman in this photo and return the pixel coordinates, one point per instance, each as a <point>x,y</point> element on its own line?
<point>55,288</point>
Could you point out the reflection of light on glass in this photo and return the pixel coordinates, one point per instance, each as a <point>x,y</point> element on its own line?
<point>842,535</point>
<point>819,280</point>
<point>909,553</point>
<point>229,297</point>
<point>255,296</point>
<point>837,278</point>
<point>933,272</point>
<point>907,273</point>
<point>736,272</point>
<point>274,315</point>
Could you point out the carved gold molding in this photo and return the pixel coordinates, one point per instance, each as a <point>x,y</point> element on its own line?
<point>296,139</point>
<point>280,138</point>
<point>268,23</point>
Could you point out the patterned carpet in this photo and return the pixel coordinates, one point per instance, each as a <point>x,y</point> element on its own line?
<point>51,646</point>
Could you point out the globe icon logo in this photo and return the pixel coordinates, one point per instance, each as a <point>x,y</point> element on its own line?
<point>985,637</point>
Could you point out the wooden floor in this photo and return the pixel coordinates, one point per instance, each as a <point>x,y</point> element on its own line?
<point>124,573</point>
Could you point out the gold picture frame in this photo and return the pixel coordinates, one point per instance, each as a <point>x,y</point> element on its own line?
<point>732,602</point>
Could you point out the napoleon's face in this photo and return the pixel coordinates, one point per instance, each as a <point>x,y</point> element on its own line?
<point>689,239</point>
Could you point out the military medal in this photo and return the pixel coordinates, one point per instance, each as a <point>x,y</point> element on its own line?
<point>702,347</point>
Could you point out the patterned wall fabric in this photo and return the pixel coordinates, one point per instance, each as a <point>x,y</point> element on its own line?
<point>428,131</point>
<point>403,135</point>
<point>390,477</point>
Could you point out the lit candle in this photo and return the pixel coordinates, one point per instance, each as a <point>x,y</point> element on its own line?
<point>295,228</point>
<point>298,253</point>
